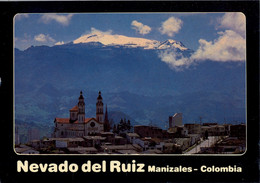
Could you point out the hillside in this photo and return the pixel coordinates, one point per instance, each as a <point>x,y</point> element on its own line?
<point>133,80</point>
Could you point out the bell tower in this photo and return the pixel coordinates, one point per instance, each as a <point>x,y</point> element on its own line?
<point>99,108</point>
<point>81,109</point>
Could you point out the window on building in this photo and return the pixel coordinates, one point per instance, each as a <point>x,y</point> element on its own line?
<point>92,124</point>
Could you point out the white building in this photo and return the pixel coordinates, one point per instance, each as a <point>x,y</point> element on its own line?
<point>131,137</point>
<point>175,120</point>
<point>149,143</point>
<point>77,125</point>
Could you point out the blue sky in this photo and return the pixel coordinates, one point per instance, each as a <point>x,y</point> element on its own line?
<point>213,36</point>
<point>194,27</point>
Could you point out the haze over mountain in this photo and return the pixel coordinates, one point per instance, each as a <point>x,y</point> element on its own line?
<point>134,81</point>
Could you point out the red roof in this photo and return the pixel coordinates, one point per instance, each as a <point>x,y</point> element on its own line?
<point>75,108</point>
<point>88,119</point>
<point>67,120</point>
<point>62,120</point>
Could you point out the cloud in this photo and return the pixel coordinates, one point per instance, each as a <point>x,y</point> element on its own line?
<point>43,38</point>
<point>26,41</point>
<point>99,32</point>
<point>141,28</point>
<point>171,26</point>
<point>62,19</point>
<point>230,46</point>
<point>233,21</point>
<point>231,43</point>
<point>21,16</point>
<point>175,60</point>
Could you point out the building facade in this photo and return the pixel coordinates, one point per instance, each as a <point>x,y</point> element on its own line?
<point>148,131</point>
<point>175,120</point>
<point>77,125</point>
<point>193,128</point>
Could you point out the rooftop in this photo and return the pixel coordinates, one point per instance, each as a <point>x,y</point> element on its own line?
<point>94,138</point>
<point>82,150</point>
<point>65,139</point>
<point>75,108</point>
<point>132,134</point>
<point>119,147</point>
<point>67,120</point>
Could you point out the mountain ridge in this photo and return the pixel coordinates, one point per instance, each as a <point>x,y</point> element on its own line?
<point>131,42</point>
<point>48,80</point>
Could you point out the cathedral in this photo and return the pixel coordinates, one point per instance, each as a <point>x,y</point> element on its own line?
<point>77,125</point>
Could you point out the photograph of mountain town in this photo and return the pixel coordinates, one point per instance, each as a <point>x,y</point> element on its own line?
<point>130,83</point>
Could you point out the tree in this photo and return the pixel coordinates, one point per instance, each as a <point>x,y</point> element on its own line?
<point>118,128</point>
<point>124,126</point>
<point>129,126</point>
<point>115,129</point>
<point>206,134</point>
<point>111,122</point>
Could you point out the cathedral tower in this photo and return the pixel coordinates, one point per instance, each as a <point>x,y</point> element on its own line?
<point>81,109</point>
<point>99,108</point>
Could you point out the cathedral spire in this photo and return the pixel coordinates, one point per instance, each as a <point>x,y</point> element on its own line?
<point>106,116</point>
<point>106,122</point>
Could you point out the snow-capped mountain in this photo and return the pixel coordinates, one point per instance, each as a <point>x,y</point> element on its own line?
<point>131,42</point>
<point>133,81</point>
<point>172,44</point>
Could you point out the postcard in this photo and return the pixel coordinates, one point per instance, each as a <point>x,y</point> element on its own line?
<point>145,95</point>
<point>130,83</point>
